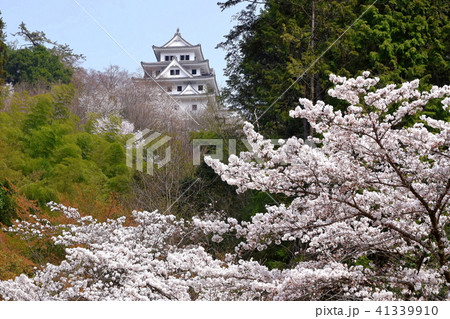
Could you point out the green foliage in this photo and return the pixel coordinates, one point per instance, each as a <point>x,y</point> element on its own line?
<point>405,40</point>
<point>7,209</point>
<point>40,113</point>
<point>85,142</point>
<point>119,183</point>
<point>39,192</point>
<point>71,171</point>
<point>114,167</point>
<point>36,65</point>
<point>277,256</point>
<point>274,44</point>
<point>62,95</point>
<point>43,141</point>
<point>48,156</point>
<point>364,261</point>
<point>68,150</point>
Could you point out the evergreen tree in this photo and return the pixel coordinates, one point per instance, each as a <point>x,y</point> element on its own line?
<point>36,65</point>
<point>282,50</point>
<point>404,40</point>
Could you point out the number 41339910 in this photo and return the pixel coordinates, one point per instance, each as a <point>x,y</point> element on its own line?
<point>407,310</point>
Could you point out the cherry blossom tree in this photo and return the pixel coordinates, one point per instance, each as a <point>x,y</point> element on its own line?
<point>114,92</point>
<point>152,259</point>
<point>371,190</point>
<point>368,213</point>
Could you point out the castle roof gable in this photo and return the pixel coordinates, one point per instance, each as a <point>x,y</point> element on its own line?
<point>177,41</point>
<point>189,90</point>
<point>174,64</point>
<point>176,45</point>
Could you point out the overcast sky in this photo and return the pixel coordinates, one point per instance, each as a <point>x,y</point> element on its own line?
<point>135,24</point>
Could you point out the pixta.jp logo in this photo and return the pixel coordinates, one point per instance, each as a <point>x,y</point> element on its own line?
<point>144,146</point>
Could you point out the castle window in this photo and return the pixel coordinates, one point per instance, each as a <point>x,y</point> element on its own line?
<point>179,88</point>
<point>167,58</point>
<point>174,72</point>
<point>181,57</point>
<point>187,57</point>
<point>194,71</point>
<point>200,87</point>
<point>194,107</point>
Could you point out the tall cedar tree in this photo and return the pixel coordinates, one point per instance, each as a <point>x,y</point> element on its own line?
<point>275,42</point>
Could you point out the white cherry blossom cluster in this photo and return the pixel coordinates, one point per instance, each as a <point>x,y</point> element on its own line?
<point>373,188</point>
<point>154,258</point>
<point>151,259</point>
<point>40,228</point>
<point>118,126</point>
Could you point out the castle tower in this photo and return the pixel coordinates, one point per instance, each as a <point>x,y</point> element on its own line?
<point>184,73</point>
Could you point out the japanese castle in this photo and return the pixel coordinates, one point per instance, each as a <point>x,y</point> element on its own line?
<point>184,73</point>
